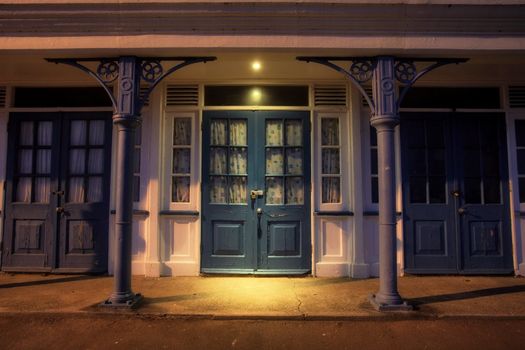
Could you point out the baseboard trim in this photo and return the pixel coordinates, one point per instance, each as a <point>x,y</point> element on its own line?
<point>331,269</point>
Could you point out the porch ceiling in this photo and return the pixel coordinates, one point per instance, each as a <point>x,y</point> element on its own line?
<point>236,66</point>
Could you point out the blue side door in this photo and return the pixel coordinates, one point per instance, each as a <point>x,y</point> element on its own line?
<point>456,197</point>
<point>256,192</point>
<point>57,193</point>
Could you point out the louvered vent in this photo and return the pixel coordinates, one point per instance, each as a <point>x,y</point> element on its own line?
<point>182,95</point>
<point>3,92</point>
<point>143,90</point>
<point>368,90</point>
<point>330,95</point>
<point>517,96</point>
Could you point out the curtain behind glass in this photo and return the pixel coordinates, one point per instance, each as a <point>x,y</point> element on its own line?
<point>330,162</point>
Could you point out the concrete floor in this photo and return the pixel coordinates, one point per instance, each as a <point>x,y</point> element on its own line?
<point>266,297</point>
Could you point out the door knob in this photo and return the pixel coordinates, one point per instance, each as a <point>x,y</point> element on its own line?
<point>60,210</point>
<point>462,211</point>
<point>456,193</point>
<point>259,211</point>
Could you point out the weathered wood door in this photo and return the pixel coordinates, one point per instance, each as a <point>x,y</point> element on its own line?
<point>456,198</point>
<point>256,192</point>
<point>57,194</point>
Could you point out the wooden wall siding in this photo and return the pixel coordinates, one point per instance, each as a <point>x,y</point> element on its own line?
<point>259,18</point>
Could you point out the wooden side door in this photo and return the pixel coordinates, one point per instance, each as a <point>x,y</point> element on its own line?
<point>57,198</point>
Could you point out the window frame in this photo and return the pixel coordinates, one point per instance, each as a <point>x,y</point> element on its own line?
<point>170,117</point>
<point>344,181</point>
<point>513,156</point>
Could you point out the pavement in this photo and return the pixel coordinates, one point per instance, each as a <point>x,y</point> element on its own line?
<point>274,298</point>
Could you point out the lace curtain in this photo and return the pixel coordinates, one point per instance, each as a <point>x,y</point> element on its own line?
<point>181,160</point>
<point>42,184</point>
<point>277,156</point>
<point>233,134</point>
<point>330,162</point>
<point>80,165</point>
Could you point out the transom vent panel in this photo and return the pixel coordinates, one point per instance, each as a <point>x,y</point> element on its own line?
<point>2,96</point>
<point>330,95</point>
<point>182,95</point>
<point>517,96</point>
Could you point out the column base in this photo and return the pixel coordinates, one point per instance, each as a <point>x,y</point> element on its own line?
<point>129,301</point>
<point>379,306</point>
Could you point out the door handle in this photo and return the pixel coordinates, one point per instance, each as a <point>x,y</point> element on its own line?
<point>462,211</point>
<point>455,193</point>
<point>259,211</point>
<point>254,194</point>
<point>60,210</point>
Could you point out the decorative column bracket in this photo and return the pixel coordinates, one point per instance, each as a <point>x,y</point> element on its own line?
<point>362,69</point>
<point>385,72</point>
<point>152,72</point>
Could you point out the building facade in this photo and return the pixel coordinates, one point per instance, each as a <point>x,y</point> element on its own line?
<point>256,162</point>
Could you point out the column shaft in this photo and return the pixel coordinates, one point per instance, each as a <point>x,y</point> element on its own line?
<point>124,214</point>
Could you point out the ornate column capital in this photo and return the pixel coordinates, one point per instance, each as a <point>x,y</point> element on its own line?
<point>130,73</point>
<point>393,70</point>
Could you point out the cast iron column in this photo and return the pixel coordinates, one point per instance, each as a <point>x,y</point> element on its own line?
<point>126,119</point>
<point>384,120</point>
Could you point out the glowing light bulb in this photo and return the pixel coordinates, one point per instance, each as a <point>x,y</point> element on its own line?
<point>256,95</point>
<point>256,66</point>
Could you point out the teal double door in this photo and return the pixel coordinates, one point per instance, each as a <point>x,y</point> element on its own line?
<point>256,192</point>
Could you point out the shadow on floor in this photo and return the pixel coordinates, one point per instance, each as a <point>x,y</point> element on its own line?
<point>50,281</point>
<point>175,298</point>
<point>467,295</point>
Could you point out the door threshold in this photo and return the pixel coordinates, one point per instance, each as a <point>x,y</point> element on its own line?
<point>59,271</point>
<point>444,272</point>
<point>248,272</point>
<point>9,269</point>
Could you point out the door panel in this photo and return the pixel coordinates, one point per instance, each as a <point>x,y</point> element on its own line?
<point>268,233</point>
<point>228,171</point>
<point>84,176</point>
<point>483,209</point>
<point>44,231</point>
<point>455,197</point>
<point>32,172</point>
<point>430,242</point>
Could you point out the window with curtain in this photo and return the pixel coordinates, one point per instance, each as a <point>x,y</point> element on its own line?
<point>330,161</point>
<point>136,164</point>
<point>86,161</point>
<point>228,161</point>
<point>374,180</point>
<point>181,155</point>
<point>520,155</point>
<point>33,170</point>
<point>284,162</point>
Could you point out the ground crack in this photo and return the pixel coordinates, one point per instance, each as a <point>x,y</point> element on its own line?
<point>299,301</point>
